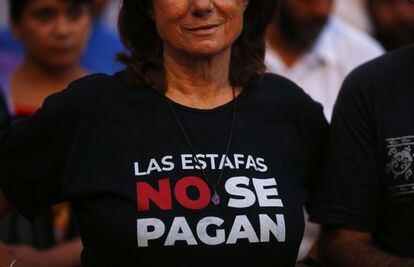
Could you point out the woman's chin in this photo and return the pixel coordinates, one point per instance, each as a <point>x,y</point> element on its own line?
<point>207,49</point>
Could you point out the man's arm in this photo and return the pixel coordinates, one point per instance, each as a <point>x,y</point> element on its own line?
<point>313,256</point>
<point>344,248</point>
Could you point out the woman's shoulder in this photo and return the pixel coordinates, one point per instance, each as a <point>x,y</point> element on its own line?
<point>276,89</point>
<point>275,80</point>
<point>91,88</point>
<point>284,99</point>
<point>93,83</point>
<point>87,93</point>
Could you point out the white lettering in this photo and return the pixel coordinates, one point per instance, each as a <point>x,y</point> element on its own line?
<point>232,188</point>
<point>137,172</point>
<point>212,158</point>
<point>242,228</point>
<point>228,163</point>
<point>238,160</point>
<point>180,231</point>
<point>262,166</point>
<point>223,158</point>
<point>168,164</point>
<point>143,232</point>
<point>250,163</point>
<point>203,164</point>
<point>187,159</point>
<point>202,225</point>
<point>263,193</point>
<point>268,226</point>
<point>153,166</point>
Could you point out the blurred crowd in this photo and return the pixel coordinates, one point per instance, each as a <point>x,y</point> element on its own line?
<point>46,44</point>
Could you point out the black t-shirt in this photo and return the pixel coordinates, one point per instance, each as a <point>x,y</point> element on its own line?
<point>40,233</point>
<point>368,182</point>
<point>123,162</point>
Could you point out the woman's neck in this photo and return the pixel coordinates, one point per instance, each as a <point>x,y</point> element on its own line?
<point>198,82</point>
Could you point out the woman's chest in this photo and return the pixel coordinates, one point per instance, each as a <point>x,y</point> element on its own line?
<point>149,189</point>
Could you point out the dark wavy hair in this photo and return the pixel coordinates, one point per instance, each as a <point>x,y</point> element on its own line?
<point>16,7</point>
<point>144,62</point>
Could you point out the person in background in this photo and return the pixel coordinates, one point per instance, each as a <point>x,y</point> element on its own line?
<point>309,45</point>
<point>393,22</point>
<point>54,34</point>
<point>365,199</point>
<point>100,53</point>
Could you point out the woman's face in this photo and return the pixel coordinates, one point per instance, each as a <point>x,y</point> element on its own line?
<point>199,28</point>
<point>54,32</point>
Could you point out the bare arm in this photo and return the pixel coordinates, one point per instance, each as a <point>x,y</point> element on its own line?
<point>344,248</point>
<point>313,255</point>
<point>4,204</point>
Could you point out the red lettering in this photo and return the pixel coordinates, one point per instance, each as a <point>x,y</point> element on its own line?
<point>182,197</point>
<point>162,197</point>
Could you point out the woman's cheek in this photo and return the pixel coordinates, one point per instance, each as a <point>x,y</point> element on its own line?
<point>172,34</point>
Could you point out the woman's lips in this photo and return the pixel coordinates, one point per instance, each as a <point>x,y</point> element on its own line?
<point>207,29</point>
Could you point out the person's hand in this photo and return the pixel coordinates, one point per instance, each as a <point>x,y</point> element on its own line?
<point>27,256</point>
<point>64,255</point>
<point>5,256</point>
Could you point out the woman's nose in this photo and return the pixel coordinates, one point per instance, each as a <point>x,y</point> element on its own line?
<point>202,8</point>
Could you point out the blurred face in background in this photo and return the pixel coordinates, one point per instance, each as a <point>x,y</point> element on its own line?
<point>301,21</point>
<point>54,32</point>
<point>393,22</point>
<point>99,6</point>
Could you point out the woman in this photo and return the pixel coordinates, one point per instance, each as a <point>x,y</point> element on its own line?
<point>191,155</point>
<point>54,34</point>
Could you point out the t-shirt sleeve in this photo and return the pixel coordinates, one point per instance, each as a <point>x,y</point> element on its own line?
<point>315,135</point>
<point>348,194</point>
<point>33,153</point>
